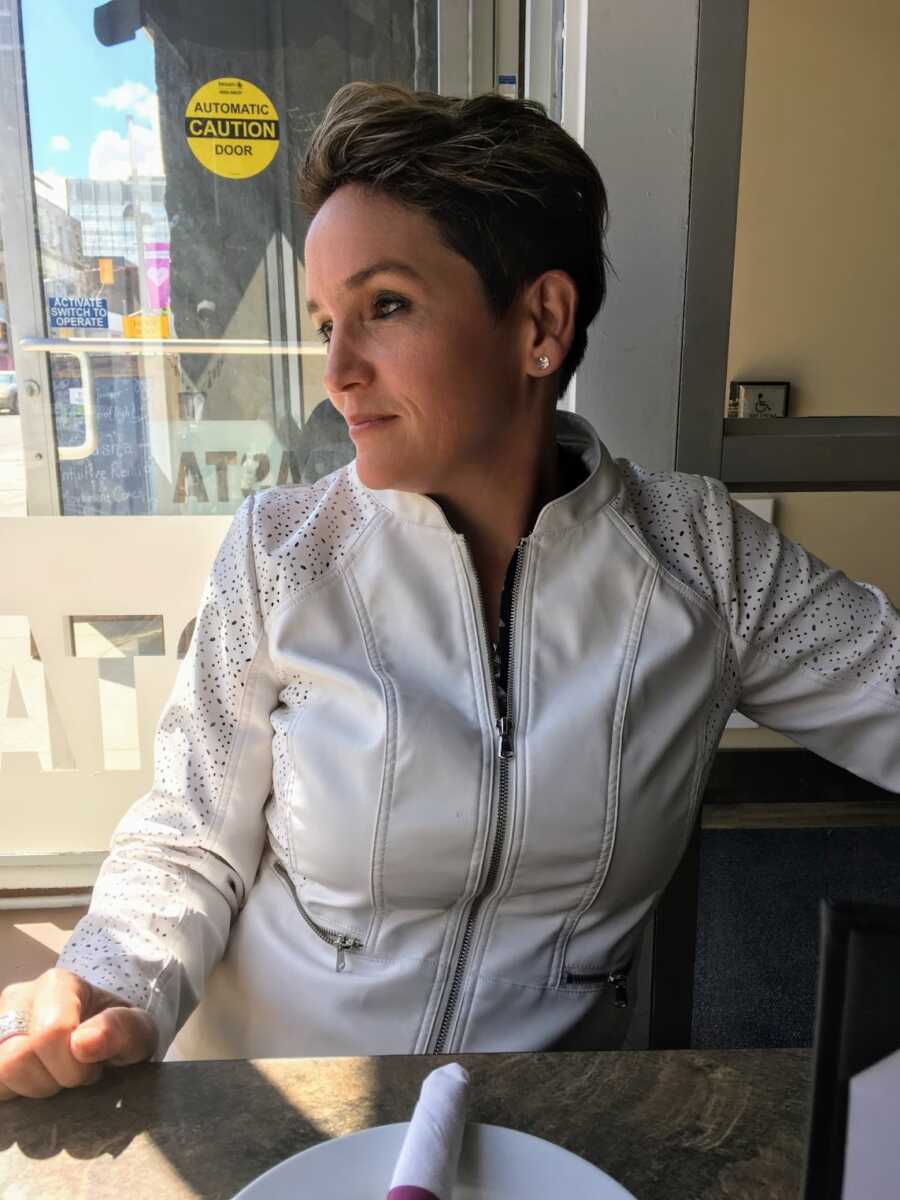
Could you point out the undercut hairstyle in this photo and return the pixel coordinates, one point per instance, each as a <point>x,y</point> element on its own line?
<point>506,187</point>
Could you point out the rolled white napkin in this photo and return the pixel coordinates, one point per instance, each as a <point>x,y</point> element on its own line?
<point>872,1154</point>
<point>426,1168</point>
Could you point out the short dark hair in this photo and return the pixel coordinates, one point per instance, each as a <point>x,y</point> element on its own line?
<point>507,187</point>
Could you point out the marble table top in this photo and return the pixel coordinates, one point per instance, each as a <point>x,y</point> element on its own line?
<point>669,1125</point>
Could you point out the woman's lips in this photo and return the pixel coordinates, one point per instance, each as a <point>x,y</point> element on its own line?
<point>359,426</point>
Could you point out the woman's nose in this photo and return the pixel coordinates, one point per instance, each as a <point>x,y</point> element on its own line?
<point>345,366</point>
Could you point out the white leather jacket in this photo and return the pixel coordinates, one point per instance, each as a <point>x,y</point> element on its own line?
<point>336,857</point>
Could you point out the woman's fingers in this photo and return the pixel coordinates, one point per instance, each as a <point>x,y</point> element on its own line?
<point>38,1063</point>
<point>120,1036</point>
<point>22,1072</point>
<point>60,1002</point>
<point>74,1029</point>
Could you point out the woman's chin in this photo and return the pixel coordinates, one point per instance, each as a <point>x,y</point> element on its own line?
<point>378,475</point>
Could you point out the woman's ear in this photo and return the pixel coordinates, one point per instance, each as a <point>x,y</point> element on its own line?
<point>550,303</point>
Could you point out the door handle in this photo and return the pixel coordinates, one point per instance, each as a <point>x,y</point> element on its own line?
<point>82,349</point>
<point>173,346</point>
<point>87,447</point>
<point>64,346</point>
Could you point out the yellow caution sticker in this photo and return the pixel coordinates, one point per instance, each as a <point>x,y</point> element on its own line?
<point>145,325</point>
<point>232,128</point>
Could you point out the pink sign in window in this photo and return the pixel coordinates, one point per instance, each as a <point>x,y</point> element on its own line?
<point>156,258</point>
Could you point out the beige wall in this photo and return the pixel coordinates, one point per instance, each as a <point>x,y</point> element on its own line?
<point>816,295</point>
<point>817,256</point>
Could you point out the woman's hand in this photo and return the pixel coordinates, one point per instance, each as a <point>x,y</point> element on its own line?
<point>75,1028</point>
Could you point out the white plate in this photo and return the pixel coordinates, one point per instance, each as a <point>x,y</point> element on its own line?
<point>496,1164</point>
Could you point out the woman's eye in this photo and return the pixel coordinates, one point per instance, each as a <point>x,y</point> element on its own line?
<point>386,305</point>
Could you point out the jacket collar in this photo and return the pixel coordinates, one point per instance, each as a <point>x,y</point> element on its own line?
<point>573,432</point>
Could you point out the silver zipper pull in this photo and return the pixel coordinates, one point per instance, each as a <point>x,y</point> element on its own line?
<point>504,738</point>
<point>620,994</point>
<point>342,945</point>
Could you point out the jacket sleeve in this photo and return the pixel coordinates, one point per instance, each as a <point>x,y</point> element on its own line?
<point>184,857</point>
<point>818,654</point>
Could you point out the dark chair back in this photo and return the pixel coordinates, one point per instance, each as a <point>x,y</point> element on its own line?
<point>857,1025</point>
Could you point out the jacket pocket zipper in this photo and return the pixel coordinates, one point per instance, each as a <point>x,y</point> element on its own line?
<point>341,942</point>
<point>617,980</point>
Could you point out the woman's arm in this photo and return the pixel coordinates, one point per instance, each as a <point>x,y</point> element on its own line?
<point>818,654</point>
<point>183,858</point>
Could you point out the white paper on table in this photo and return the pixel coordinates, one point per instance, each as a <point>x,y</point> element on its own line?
<point>872,1156</point>
<point>430,1153</point>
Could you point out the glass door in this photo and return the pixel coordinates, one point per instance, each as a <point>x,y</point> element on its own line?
<point>155,341</point>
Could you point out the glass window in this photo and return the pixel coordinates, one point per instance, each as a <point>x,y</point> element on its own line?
<point>173,373</point>
<point>149,241</point>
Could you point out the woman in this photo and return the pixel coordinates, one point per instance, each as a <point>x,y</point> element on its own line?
<point>371,830</point>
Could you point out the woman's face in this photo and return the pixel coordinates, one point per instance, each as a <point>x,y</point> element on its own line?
<point>411,338</point>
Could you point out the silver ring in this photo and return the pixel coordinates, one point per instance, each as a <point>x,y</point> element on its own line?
<point>16,1021</point>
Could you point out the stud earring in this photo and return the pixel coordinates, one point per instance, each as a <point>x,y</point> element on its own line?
<point>543,362</point>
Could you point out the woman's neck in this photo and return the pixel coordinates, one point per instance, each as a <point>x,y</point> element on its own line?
<point>500,505</point>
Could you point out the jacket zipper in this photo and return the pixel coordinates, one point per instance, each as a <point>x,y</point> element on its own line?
<point>342,942</point>
<point>505,752</point>
<point>618,980</point>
